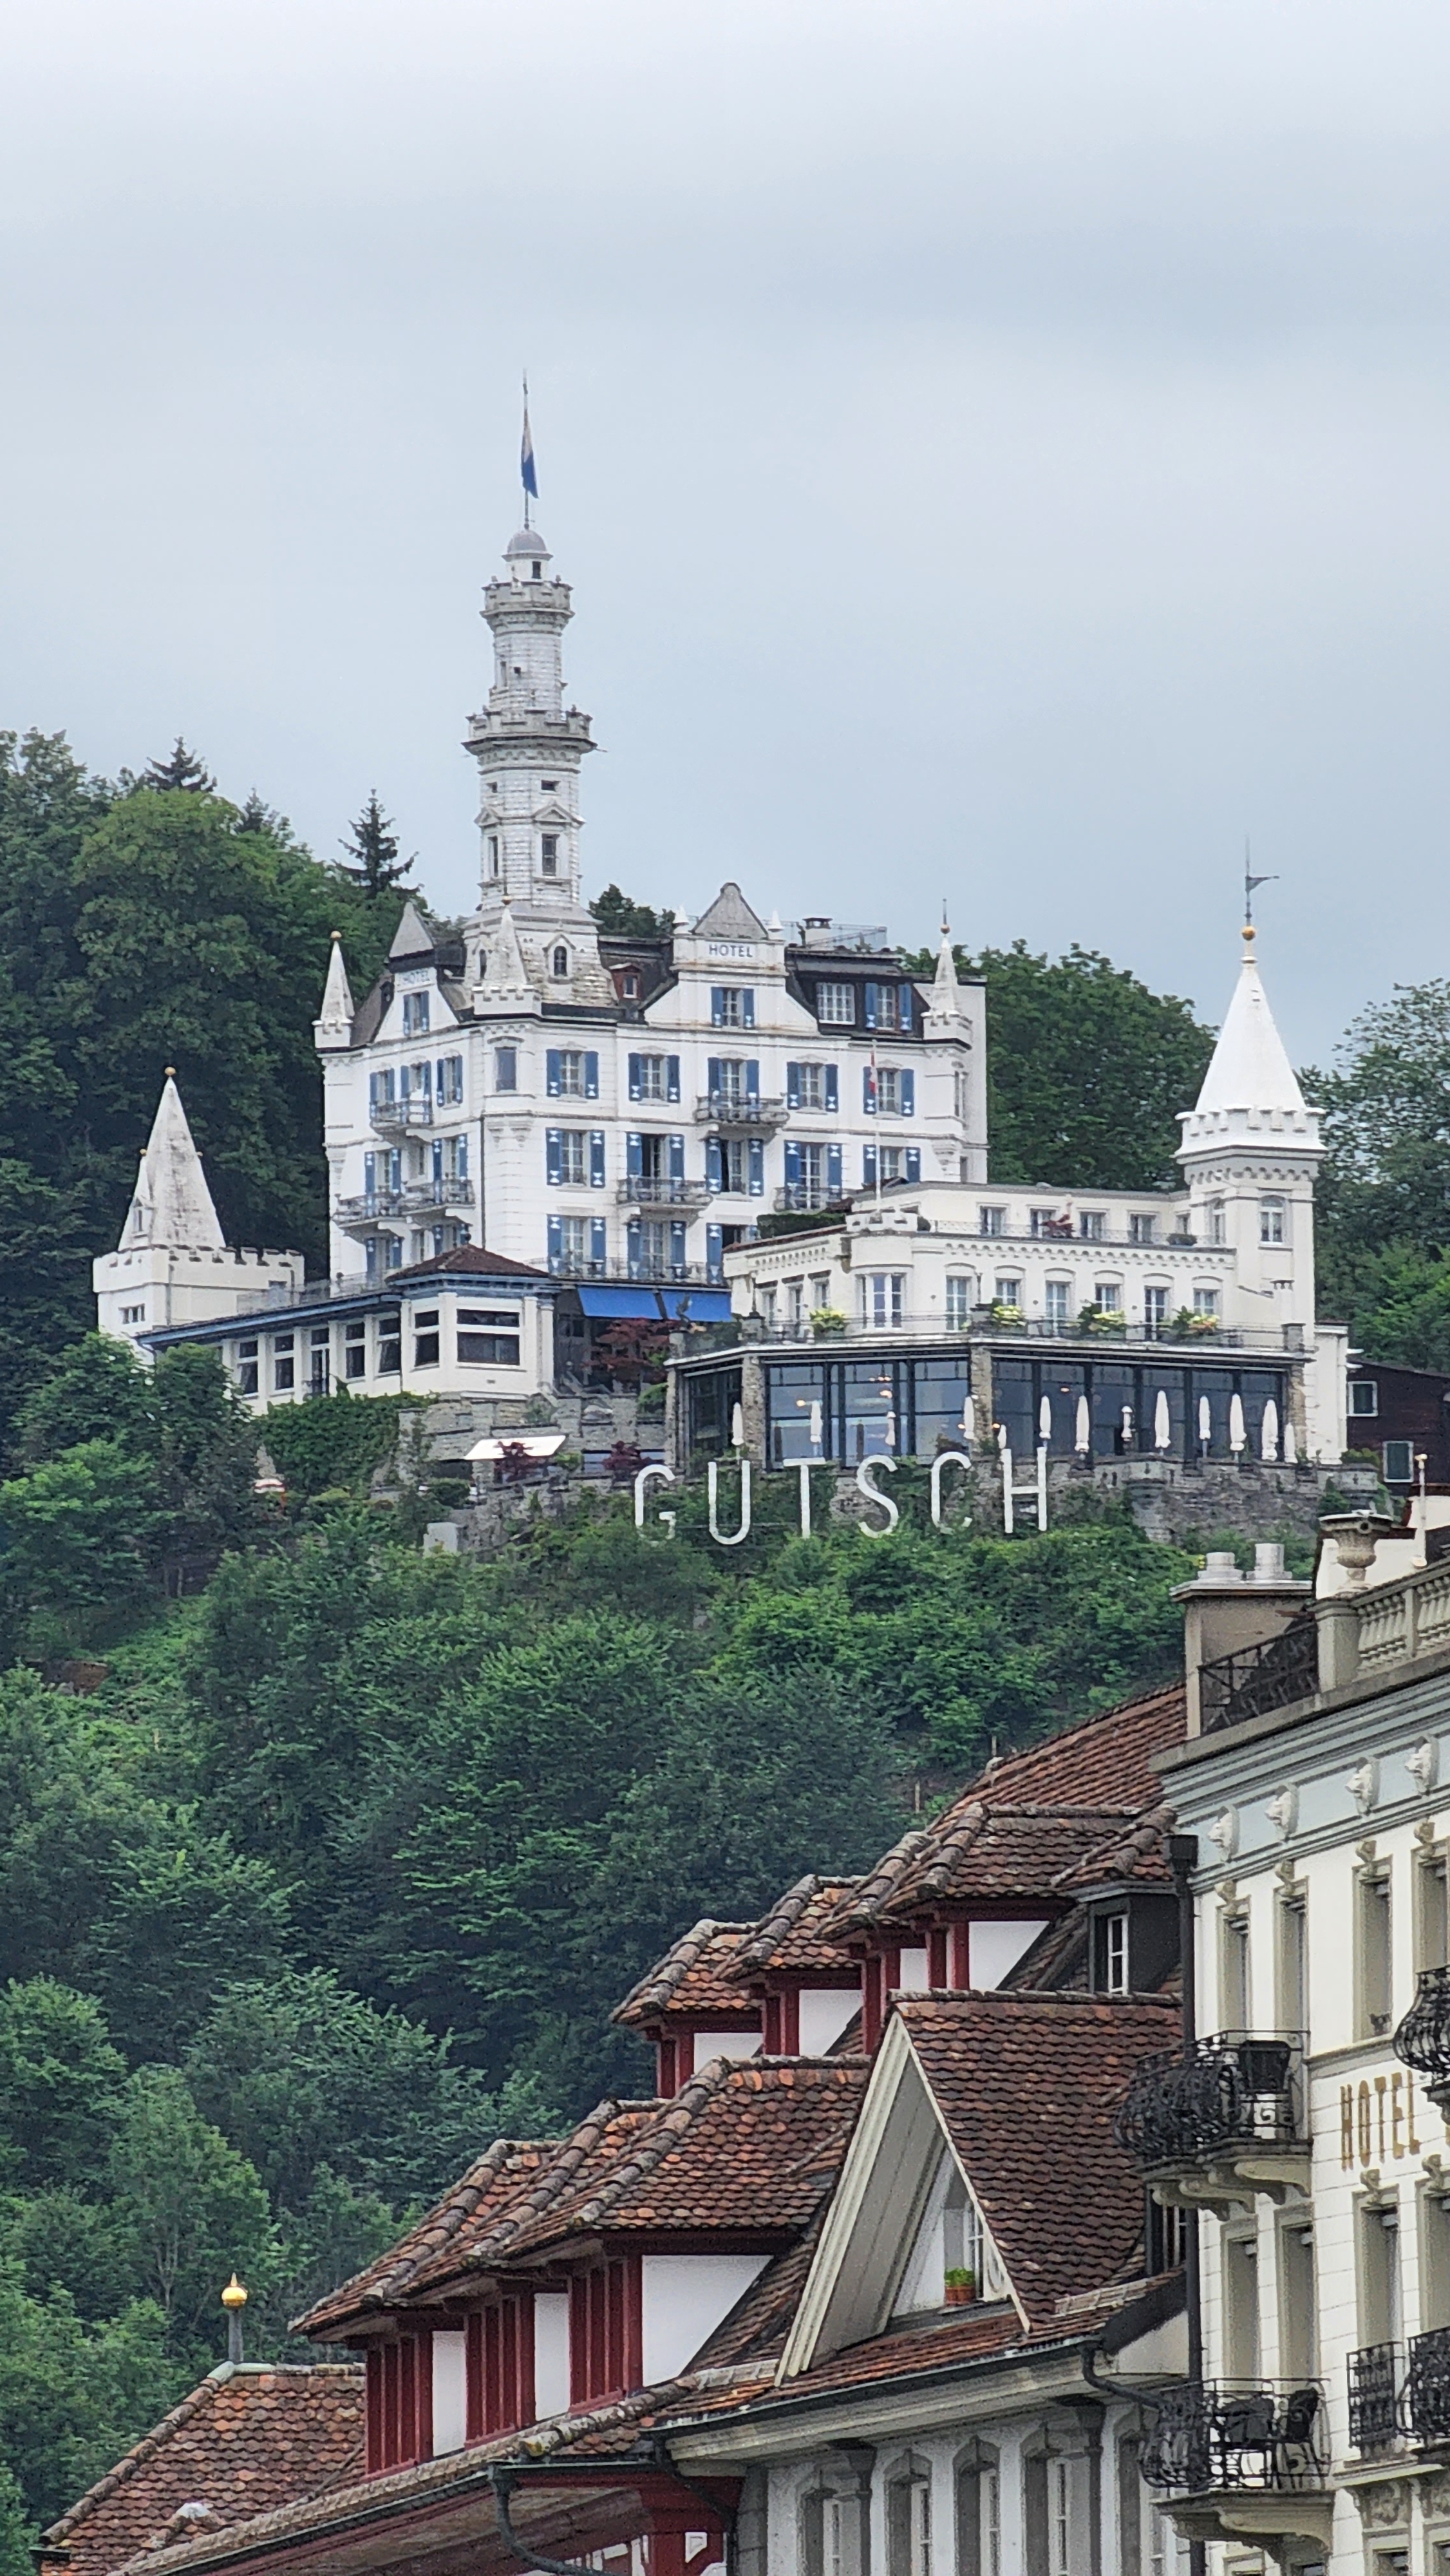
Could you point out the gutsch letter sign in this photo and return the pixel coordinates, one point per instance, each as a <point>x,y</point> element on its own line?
<point>866,1475</point>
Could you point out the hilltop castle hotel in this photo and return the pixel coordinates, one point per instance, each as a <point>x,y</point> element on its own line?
<point>611,1117</point>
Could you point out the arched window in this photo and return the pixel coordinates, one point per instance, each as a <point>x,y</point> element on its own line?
<point>979,2511</point>
<point>835,2516</point>
<point>561,961</point>
<point>908,2519</point>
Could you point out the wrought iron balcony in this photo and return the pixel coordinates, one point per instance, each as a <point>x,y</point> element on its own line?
<point>416,1198</point>
<point>1259,2437</point>
<point>739,1112</point>
<point>1422,2041</point>
<point>800,1198</point>
<point>390,1116</point>
<point>1226,2121</point>
<point>1425,2397</point>
<point>641,1191</point>
<point>1374,2396</point>
<point>1273,1674</point>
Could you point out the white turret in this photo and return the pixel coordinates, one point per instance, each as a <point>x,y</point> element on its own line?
<point>333,1025</point>
<point>1251,1148</point>
<point>172,1264</point>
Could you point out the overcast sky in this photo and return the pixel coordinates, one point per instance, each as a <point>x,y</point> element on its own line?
<point>1000,447</point>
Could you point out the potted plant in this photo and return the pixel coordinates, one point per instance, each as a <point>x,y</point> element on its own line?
<point>961,2286</point>
<point>1010,1317</point>
<point>1101,1321</point>
<point>827,1323</point>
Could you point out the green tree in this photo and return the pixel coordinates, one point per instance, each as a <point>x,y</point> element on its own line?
<point>197,2208</point>
<point>180,774</point>
<point>332,1441</point>
<point>73,2396</point>
<point>206,1453</point>
<point>1086,1068</point>
<point>1382,1212</point>
<point>60,2082</point>
<point>96,1390</point>
<point>619,917</point>
<point>374,847</point>
<point>78,1534</point>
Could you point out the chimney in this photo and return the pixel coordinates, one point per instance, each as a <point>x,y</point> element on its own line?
<point>1225,1610</point>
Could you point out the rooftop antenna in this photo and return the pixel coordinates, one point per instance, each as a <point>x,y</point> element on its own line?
<point>1250,881</point>
<point>526,458</point>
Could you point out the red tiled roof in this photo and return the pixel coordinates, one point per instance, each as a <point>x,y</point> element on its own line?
<point>474,1258</point>
<point>1027,2085</point>
<point>1138,1858</point>
<point>789,1939</point>
<point>694,1977</point>
<point>1102,1765</point>
<point>967,2336</point>
<point>453,2225</point>
<point>597,2146</point>
<point>249,2439</point>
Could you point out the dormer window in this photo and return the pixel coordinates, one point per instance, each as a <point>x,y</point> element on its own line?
<point>415,1015</point>
<point>561,962</point>
<point>1110,1935</point>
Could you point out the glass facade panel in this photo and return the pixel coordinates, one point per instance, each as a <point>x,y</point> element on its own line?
<point>711,1399</point>
<point>796,1412</point>
<point>943,1391</point>
<point>870,1416</point>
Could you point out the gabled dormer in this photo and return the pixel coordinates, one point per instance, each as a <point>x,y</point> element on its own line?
<point>808,1986</point>
<point>689,2007</point>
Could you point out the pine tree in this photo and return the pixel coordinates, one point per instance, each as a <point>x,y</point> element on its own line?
<point>374,845</point>
<point>264,820</point>
<point>183,770</point>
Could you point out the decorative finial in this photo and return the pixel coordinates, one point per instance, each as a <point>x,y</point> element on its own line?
<point>234,2299</point>
<point>336,934</point>
<point>171,1073</point>
<point>234,2296</point>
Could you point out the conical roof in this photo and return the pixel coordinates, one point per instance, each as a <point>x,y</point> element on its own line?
<point>946,993</point>
<point>336,1015</point>
<point>1250,1081</point>
<point>505,974</point>
<point>172,1204</point>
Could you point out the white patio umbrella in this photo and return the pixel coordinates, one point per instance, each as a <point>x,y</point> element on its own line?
<point>1044,1421</point>
<point>816,1427</point>
<point>737,1426</point>
<point>969,1419</point>
<point>1126,1424</point>
<point>1269,1432</point>
<point>1236,1423</point>
<point>1291,1445</point>
<point>1002,1435</point>
<point>1162,1426</point>
<point>1205,1424</point>
<point>1082,1439</point>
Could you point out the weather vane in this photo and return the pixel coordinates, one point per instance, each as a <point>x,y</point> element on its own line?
<point>1250,881</point>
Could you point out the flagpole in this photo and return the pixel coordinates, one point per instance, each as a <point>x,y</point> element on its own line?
<point>526,442</point>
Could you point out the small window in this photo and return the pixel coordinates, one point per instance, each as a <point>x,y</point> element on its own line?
<point>1007,1290</point>
<point>1217,1227</point>
<point>506,1068</point>
<point>415,1015</point>
<point>561,962</point>
<point>1205,1301</point>
<point>1155,1310</point>
<point>493,854</point>
<point>631,988</point>
<point>284,1367</point>
<point>355,1350</point>
<point>425,1339</point>
<point>549,854</point>
<point>1057,1300</point>
<point>1372,1953</point>
<point>547,786</point>
<point>812,1079</point>
<point>536,572</point>
<point>1271,1221</point>
<point>390,1343</point>
<point>731,1008</point>
<point>500,1350</point>
<point>247,1368</point>
<point>993,1220</point>
<point>1399,1457</point>
<point>571,1073</point>
<point>1364,1395</point>
<point>1090,1224</point>
<point>1141,1229</point>
<point>883,1296</point>
<point>652,1078</point>
<point>1108,1296</point>
<point>836,1005</point>
<point>961,1296</point>
<point>1112,1954</point>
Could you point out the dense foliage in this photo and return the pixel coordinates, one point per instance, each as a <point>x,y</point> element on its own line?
<point>1383,1197</point>
<point>144,925</point>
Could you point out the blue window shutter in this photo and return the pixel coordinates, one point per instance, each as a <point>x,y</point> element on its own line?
<point>907,997</point>
<point>792,1086</point>
<point>636,1078</point>
<point>596,1158</point>
<point>677,1158</point>
<point>868,1092</point>
<point>403,1082</point>
<point>757,1167</point>
<point>556,1240</point>
<point>913,1162</point>
<point>370,1175</point>
<point>873,1005</point>
<point>372,1091</point>
<point>672,1077</point>
<point>908,1093</point>
<point>833,1170</point>
<point>460,1158</point>
<point>868,1167</point>
<point>395,1168</point>
<point>634,1148</point>
<point>552,1072</point>
<point>554,1153</point>
<point>677,1243</point>
<point>437,1159</point>
<point>752,1082</point>
<point>717,1006</point>
<point>747,1009</point>
<point>633,1236</point>
<point>714,1249</point>
<point>714,1166</point>
<point>792,1162</point>
<point>596,1240</point>
<point>591,1076</point>
<point>833,1088</point>
<point>438,1077</point>
<point>713,1083</point>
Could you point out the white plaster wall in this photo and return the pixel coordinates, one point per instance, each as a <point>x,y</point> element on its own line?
<point>725,2043</point>
<point>825,2011</point>
<point>994,1948</point>
<point>551,2353</point>
<point>685,2297</point>
<point>450,2393</point>
<point>913,1976</point>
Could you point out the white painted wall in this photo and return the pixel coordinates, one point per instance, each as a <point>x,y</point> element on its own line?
<point>551,2353</point>
<point>825,2011</point>
<point>994,1948</point>
<point>913,1976</point>
<point>685,2297</point>
<point>725,2043</point>
<point>450,2393</point>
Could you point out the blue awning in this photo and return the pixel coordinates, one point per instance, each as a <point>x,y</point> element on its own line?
<point>706,1305</point>
<point>619,1302</point>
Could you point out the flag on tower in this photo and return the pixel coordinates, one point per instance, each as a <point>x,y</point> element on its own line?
<point>526,455</point>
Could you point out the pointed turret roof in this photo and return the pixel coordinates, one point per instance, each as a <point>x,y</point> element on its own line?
<point>1250,1082</point>
<point>505,975</point>
<point>172,1204</point>
<point>946,993</point>
<point>730,917</point>
<point>334,1020</point>
<point>412,938</point>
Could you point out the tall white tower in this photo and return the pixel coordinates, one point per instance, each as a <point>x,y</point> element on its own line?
<point>529,748</point>
<point>1250,1150</point>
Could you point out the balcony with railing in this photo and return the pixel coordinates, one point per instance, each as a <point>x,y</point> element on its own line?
<point>1374,2375</point>
<point>420,1199</point>
<point>1227,2120</point>
<point>739,1112</point>
<point>393,1117</point>
<point>699,1274</point>
<point>649,1190</point>
<point>1400,2394</point>
<point>1241,2460</point>
<point>804,1198</point>
<point>1276,1673</point>
<point>1422,2041</point>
